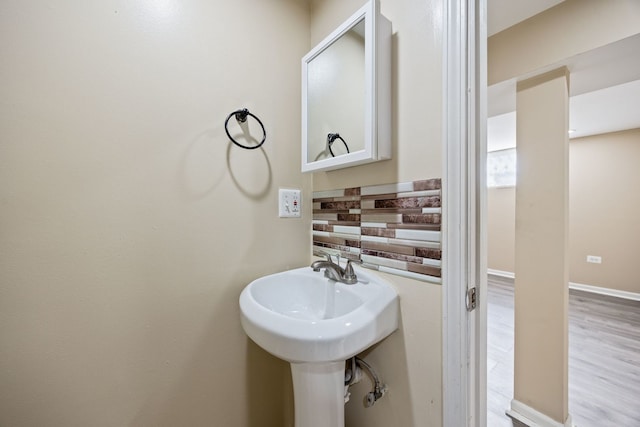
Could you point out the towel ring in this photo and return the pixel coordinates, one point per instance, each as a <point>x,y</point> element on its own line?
<point>331,138</point>
<point>241,117</point>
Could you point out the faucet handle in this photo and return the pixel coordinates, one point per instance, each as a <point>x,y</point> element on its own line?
<point>350,275</point>
<point>328,256</point>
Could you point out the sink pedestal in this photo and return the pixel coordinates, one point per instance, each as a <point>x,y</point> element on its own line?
<point>315,324</point>
<point>318,392</point>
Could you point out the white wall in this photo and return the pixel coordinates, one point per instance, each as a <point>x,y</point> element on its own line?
<point>129,223</point>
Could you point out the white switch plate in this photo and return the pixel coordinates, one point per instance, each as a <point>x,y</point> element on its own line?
<point>289,205</point>
<point>594,259</point>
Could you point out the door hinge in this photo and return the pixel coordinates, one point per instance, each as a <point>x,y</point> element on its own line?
<point>472,299</point>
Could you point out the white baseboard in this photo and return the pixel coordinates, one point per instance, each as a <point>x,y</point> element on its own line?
<point>605,291</point>
<point>633,296</point>
<point>507,274</point>
<point>530,417</point>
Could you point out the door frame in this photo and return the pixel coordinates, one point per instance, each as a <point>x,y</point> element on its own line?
<point>464,333</point>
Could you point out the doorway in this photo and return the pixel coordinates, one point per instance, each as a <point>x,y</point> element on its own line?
<point>586,276</point>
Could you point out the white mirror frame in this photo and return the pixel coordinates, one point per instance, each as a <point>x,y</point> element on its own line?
<point>377,125</point>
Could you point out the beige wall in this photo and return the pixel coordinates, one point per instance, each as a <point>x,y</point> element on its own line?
<point>541,245</point>
<point>546,40</point>
<point>603,205</point>
<point>568,29</point>
<point>129,223</point>
<point>410,360</point>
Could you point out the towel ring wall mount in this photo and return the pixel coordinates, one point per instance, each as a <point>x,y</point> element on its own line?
<point>241,117</point>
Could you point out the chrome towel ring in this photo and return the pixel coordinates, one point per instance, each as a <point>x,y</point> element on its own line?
<point>241,117</point>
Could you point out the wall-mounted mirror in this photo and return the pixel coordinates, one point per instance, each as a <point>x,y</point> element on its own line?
<point>346,94</point>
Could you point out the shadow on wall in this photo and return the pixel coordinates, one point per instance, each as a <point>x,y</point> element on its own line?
<point>268,376</point>
<point>202,168</point>
<point>216,376</point>
<point>389,359</point>
<point>254,182</point>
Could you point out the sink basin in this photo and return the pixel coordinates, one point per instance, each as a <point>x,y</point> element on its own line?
<point>302,317</point>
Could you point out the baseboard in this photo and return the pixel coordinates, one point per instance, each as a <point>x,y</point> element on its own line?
<point>633,296</point>
<point>507,274</point>
<point>528,416</point>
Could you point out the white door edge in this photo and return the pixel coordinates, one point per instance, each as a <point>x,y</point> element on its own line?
<point>464,207</point>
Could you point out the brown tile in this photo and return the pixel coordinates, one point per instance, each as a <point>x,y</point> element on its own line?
<point>352,191</point>
<point>428,227</point>
<point>343,217</point>
<point>429,253</point>
<point>410,202</point>
<point>398,249</point>
<point>388,196</point>
<point>336,242</point>
<point>325,216</point>
<point>330,240</point>
<point>353,243</point>
<point>379,232</point>
<point>395,210</point>
<point>391,255</point>
<point>324,199</point>
<point>422,218</point>
<point>340,206</point>
<point>424,269</point>
<point>322,227</point>
<point>374,211</point>
<point>427,184</point>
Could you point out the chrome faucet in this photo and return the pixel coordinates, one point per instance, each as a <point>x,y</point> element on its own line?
<point>333,271</point>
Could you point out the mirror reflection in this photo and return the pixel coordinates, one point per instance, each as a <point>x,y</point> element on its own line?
<point>336,97</point>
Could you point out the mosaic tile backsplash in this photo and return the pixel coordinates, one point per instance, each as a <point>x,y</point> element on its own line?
<point>395,228</point>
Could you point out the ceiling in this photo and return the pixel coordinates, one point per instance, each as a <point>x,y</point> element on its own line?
<point>605,83</point>
<point>502,14</point>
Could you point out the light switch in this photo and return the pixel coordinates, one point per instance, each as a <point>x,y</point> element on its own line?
<point>289,203</point>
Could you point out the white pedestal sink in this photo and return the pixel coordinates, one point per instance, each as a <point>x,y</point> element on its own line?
<point>316,324</point>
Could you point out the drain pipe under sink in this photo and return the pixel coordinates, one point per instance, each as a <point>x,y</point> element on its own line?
<point>353,375</point>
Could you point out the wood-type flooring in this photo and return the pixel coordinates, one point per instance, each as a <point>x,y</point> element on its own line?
<point>604,358</point>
